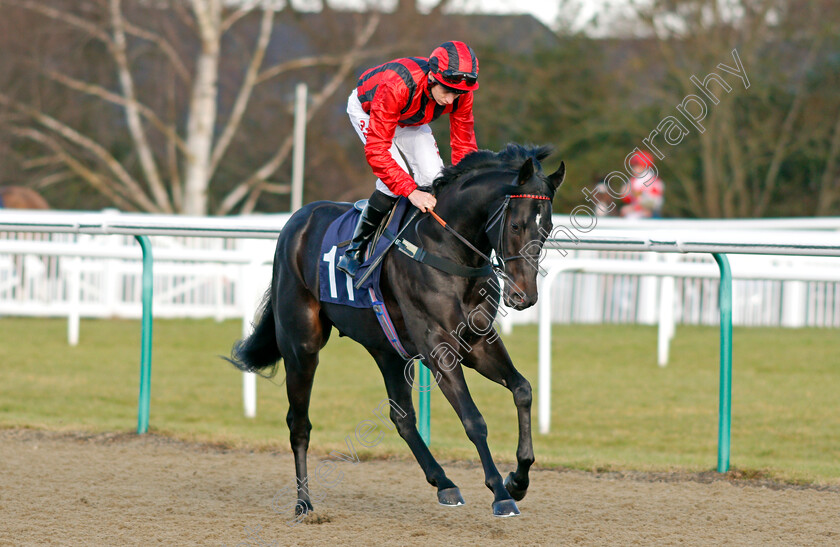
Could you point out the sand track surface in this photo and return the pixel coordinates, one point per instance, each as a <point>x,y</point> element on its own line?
<point>124,489</point>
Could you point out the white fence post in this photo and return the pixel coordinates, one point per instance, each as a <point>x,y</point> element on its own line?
<point>74,287</point>
<point>666,319</point>
<point>793,303</point>
<point>646,301</point>
<point>299,145</point>
<point>249,309</point>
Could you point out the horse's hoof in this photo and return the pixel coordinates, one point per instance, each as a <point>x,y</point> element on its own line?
<point>451,497</point>
<point>505,508</point>
<point>515,490</point>
<point>303,508</point>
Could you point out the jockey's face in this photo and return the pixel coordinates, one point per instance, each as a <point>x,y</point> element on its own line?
<point>442,95</point>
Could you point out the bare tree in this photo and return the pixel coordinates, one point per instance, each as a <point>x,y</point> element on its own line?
<point>750,136</point>
<point>177,152</point>
<point>829,189</point>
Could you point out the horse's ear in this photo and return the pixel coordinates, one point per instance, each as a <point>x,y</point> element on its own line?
<point>526,172</point>
<point>557,178</point>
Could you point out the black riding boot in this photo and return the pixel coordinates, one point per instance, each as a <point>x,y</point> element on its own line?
<point>377,207</point>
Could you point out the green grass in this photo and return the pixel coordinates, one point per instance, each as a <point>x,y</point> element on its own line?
<point>613,408</point>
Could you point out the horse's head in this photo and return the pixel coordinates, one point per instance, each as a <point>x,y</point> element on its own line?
<point>502,201</point>
<point>519,222</point>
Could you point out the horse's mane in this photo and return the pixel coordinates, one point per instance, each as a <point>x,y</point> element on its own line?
<point>510,158</point>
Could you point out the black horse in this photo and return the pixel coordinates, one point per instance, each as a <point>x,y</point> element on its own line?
<point>495,201</point>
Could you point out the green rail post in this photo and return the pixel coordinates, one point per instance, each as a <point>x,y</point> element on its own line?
<point>725,406</point>
<point>145,338</point>
<point>425,425</point>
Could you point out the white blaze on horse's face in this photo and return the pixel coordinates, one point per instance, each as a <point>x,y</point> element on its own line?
<point>539,216</point>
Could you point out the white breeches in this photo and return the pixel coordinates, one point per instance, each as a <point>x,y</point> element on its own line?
<point>415,145</point>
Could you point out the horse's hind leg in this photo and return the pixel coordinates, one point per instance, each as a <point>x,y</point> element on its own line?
<point>300,372</point>
<point>301,334</point>
<point>402,414</point>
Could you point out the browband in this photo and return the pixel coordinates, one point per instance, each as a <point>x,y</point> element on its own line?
<point>532,196</point>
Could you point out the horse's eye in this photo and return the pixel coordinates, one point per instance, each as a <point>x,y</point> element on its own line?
<point>514,227</point>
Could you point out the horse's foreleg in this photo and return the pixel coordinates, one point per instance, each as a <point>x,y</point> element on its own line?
<point>493,362</point>
<point>517,482</point>
<point>402,414</point>
<point>454,388</point>
<point>435,344</point>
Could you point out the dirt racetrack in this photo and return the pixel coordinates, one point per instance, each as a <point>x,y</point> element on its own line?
<point>123,489</point>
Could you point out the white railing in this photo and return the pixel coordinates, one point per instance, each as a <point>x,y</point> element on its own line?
<point>142,226</point>
<point>88,275</point>
<point>99,276</point>
<point>785,243</point>
<point>626,297</point>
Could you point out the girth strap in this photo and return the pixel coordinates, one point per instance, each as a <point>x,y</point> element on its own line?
<point>387,325</point>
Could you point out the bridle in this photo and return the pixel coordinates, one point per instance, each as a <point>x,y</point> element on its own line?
<point>498,217</point>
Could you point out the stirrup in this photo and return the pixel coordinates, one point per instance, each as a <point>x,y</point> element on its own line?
<point>349,265</point>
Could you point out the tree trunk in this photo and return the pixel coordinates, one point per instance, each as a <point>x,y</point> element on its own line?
<point>203,109</point>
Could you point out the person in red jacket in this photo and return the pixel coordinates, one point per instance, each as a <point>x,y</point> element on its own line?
<point>644,193</point>
<point>391,109</point>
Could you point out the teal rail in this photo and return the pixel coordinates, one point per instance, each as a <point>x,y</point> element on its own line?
<point>425,419</point>
<point>145,338</point>
<point>725,405</point>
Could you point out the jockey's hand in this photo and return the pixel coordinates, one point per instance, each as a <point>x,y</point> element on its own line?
<point>422,200</point>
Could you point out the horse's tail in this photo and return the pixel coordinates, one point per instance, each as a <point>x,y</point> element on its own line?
<point>259,351</point>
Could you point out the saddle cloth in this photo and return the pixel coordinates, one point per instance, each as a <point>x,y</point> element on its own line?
<point>338,288</point>
<point>334,285</point>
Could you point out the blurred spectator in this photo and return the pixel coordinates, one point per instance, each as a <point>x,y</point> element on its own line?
<point>603,201</point>
<point>645,196</point>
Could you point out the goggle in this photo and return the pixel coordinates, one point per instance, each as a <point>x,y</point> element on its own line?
<point>456,77</point>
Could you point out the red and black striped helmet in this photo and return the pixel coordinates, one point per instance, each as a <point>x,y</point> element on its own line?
<point>454,65</point>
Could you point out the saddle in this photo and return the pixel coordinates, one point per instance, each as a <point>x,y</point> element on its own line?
<point>334,285</point>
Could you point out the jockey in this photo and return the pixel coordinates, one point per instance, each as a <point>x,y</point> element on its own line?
<point>391,109</point>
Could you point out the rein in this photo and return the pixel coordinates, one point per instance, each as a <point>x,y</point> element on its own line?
<point>459,236</point>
